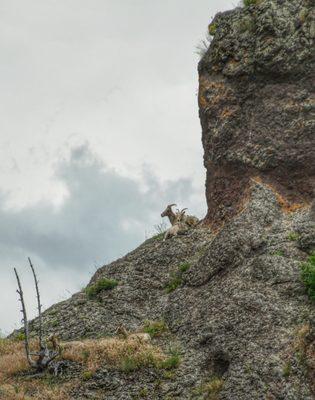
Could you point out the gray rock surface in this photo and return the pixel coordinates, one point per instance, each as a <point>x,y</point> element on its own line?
<point>237,314</point>
<point>256,104</point>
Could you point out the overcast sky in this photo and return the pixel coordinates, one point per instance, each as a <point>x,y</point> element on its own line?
<point>99,130</point>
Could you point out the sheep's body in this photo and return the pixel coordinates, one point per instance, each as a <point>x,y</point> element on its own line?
<point>191,220</point>
<point>179,226</point>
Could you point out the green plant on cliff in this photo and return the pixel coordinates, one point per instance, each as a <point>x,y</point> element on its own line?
<point>308,276</point>
<point>209,390</point>
<point>103,284</point>
<point>155,328</point>
<point>203,46</point>
<point>212,28</point>
<point>293,236</point>
<point>177,277</point>
<point>248,3</point>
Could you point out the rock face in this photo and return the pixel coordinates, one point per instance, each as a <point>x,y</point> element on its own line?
<point>256,99</point>
<point>240,311</point>
<point>236,308</point>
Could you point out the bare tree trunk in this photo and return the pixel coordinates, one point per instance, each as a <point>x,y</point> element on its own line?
<point>25,321</point>
<point>44,356</point>
<point>39,307</point>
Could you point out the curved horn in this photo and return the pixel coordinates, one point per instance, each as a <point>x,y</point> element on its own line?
<point>172,205</point>
<point>184,209</point>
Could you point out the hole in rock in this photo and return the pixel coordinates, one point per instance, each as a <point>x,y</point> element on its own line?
<point>218,363</point>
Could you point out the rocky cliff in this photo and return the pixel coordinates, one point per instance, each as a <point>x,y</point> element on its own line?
<point>230,300</point>
<point>256,99</point>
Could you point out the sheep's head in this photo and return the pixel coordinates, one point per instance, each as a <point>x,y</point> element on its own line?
<point>168,210</point>
<point>179,216</point>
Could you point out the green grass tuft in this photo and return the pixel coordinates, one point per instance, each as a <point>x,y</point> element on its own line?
<point>184,267</point>
<point>155,328</point>
<point>293,236</point>
<point>212,28</point>
<point>308,276</point>
<point>248,3</point>
<point>103,284</point>
<point>171,362</point>
<point>20,336</point>
<point>177,277</point>
<point>87,375</point>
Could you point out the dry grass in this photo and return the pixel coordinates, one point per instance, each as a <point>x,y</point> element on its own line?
<point>130,353</point>
<point>123,354</point>
<point>304,348</point>
<point>34,391</point>
<point>14,387</point>
<point>12,358</point>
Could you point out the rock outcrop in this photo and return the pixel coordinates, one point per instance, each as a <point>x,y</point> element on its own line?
<point>232,297</point>
<point>256,99</point>
<point>239,312</point>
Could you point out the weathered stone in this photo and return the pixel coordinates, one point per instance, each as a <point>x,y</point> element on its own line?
<point>256,101</point>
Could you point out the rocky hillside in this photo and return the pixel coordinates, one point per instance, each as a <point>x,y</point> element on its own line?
<point>228,311</point>
<point>233,304</point>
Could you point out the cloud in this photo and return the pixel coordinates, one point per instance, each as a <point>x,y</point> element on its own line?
<point>103,215</point>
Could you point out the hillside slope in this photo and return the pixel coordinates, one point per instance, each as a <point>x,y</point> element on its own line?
<point>239,312</point>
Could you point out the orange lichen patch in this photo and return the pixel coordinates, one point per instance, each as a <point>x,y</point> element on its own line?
<point>227,112</point>
<point>212,92</point>
<point>286,205</point>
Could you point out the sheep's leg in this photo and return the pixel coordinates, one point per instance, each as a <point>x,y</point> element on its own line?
<point>166,236</point>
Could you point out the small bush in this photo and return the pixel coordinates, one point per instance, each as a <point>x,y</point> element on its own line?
<point>212,28</point>
<point>287,369</point>
<point>20,337</point>
<point>174,283</point>
<point>203,46</point>
<point>103,284</point>
<point>308,276</point>
<point>210,390</point>
<point>87,375</point>
<point>293,236</point>
<point>155,328</point>
<point>279,253</point>
<point>171,362</point>
<point>184,267</point>
<point>177,277</point>
<point>248,3</point>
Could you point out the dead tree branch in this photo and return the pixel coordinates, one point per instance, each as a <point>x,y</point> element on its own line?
<point>39,307</point>
<point>25,321</point>
<point>44,356</point>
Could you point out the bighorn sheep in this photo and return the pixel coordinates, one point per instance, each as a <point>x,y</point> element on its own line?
<point>177,227</point>
<point>189,220</point>
<point>140,336</point>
